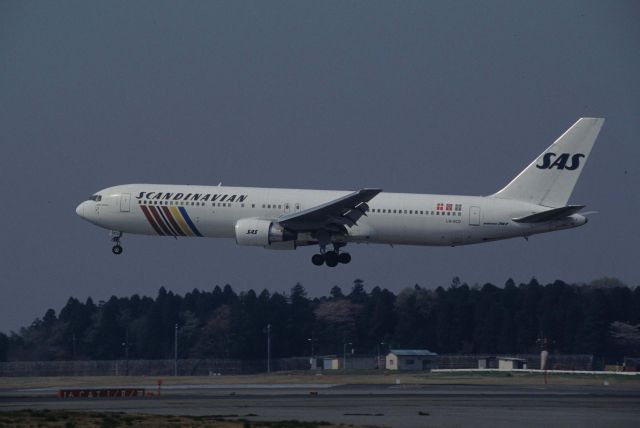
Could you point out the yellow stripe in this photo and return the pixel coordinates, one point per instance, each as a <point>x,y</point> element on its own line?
<point>180,220</point>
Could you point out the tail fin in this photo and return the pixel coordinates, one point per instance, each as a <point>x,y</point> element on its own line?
<point>551,177</point>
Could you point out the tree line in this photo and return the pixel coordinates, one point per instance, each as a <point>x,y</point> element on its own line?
<point>601,318</point>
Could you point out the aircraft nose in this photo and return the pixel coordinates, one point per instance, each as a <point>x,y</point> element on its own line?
<point>80,210</point>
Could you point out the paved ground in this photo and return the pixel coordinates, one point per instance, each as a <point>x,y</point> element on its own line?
<point>406,406</point>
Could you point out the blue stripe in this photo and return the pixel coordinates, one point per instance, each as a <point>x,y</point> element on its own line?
<point>188,220</point>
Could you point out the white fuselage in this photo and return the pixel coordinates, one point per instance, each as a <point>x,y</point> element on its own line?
<point>535,201</point>
<point>393,218</point>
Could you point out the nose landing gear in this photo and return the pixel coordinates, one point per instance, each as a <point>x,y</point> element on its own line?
<point>331,258</point>
<point>115,238</point>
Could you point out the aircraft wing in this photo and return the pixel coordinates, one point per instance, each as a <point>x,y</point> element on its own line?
<point>549,215</point>
<point>333,215</point>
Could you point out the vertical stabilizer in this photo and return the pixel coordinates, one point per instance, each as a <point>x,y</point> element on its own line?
<point>549,180</point>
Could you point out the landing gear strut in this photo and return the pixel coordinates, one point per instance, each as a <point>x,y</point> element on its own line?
<point>331,258</point>
<point>115,238</point>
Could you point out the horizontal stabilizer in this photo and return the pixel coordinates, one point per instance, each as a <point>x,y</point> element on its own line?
<point>554,214</point>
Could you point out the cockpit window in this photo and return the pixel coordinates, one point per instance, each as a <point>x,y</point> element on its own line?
<point>96,198</point>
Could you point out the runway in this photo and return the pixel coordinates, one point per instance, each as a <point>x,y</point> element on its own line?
<point>402,406</point>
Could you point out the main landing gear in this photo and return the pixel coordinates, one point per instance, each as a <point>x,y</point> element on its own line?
<point>115,238</point>
<point>330,258</point>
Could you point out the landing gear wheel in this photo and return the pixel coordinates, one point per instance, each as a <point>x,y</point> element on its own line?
<point>331,258</point>
<point>317,259</point>
<point>344,258</point>
<point>115,238</point>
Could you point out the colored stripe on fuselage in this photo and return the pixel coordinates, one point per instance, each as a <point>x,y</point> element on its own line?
<point>166,221</point>
<point>150,219</point>
<point>174,224</point>
<point>159,220</point>
<point>188,220</point>
<point>181,222</point>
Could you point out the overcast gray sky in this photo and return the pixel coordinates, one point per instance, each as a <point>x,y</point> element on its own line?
<point>451,97</point>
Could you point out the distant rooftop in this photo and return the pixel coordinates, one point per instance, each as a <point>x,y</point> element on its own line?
<point>412,352</point>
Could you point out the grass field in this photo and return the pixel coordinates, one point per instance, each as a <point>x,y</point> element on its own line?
<point>439,397</point>
<point>351,378</point>
<point>73,419</point>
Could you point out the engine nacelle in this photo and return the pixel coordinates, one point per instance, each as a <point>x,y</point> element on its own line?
<point>264,233</point>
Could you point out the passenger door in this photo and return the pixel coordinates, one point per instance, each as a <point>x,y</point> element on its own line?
<point>125,202</point>
<point>474,216</point>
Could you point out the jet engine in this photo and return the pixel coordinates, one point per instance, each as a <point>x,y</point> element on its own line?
<point>264,233</point>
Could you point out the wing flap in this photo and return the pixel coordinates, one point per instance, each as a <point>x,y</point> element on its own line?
<point>344,211</point>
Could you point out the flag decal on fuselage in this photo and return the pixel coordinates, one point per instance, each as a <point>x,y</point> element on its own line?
<point>170,221</point>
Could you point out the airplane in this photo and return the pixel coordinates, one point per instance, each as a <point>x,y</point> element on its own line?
<point>534,202</point>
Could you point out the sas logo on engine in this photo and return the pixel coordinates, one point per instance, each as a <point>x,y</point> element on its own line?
<point>551,160</point>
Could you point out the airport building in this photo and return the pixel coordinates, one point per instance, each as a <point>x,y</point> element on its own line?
<point>502,363</point>
<point>411,359</point>
<point>510,363</point>
<point>334,362</point>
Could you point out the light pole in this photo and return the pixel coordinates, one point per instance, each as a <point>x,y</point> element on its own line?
<point>125,344</point>
<point>344,355</point>
<point>311,359</point>
<point>378,361</point>
<point>544,354</point>
<point>268,348</point>
<point>73,340</point>
<point>175,351</point>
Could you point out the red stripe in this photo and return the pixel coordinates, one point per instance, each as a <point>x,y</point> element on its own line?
<point>150,220</point>
<point>167,213</point>
<point>159,220</point>
<point>166,221</point>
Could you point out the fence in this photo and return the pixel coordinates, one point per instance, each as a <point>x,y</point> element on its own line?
<point>208,367</point>
<point>187,367</point>
<point>555,361</point>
